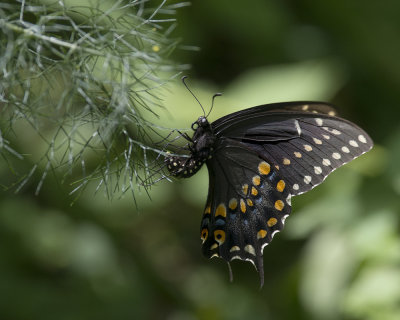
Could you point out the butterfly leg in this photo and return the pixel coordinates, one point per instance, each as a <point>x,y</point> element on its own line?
<point>185,135</point>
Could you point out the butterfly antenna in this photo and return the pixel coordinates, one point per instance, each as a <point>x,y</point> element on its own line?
<point>212,102</point>
<point>187,87</point>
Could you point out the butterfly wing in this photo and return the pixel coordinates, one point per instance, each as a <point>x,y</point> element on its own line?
<point>247,204</point>
<point>263,156</point>
<point>304,139</point>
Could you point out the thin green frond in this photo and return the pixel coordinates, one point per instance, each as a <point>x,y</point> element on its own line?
<point>77,82</point>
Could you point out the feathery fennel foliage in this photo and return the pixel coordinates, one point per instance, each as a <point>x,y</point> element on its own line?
<point>77,80</point>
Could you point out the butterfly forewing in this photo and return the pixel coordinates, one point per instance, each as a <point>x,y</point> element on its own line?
<point>264,111</point>
<point>306,146</point>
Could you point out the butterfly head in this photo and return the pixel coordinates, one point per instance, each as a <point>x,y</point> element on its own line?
<point>201,147</point>
<point>201,122</point>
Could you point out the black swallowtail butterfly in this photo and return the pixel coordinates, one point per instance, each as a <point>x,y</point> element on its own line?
<point>257,159</point>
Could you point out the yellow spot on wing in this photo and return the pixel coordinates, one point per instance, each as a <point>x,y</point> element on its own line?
<point>256,180</point>
<point>280,186</point>
<point>242,206</point>
<point>297,154</point>
<point>286,161</point>
<point>233,204</point>
<point>279,205</point>
<point>234,248</point>
<point>249,202</point>
<point>214,246</point>
<point>221,210</point>
<point>254,191</point>
<point>261,234</point>
<point>271,222</point>
<point>245,189</point>
<point>264,168</point>
<point>207,210</point>
<point>219,236</point>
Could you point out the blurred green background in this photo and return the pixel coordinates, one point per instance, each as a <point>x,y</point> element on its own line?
<point>339,255</point>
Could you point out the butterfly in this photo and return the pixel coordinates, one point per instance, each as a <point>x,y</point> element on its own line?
<point>257,160</point>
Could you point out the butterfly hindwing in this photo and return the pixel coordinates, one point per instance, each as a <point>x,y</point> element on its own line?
<point>247,204</point>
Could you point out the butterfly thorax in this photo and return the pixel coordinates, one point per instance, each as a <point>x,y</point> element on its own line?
<point>200,148</point>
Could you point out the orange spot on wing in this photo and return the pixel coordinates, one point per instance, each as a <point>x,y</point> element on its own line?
<point>271,222</point>
<point>280,186</point>
<point>279,205</point>
<point>245,189</point>
<point>204,234</point>
<point>219,236</point>
<point>242,206</point>
<point>261,234</point>
<point>264,168</point>
<point>256,180</point>
<point>221,210</point>
<point>233,204</point>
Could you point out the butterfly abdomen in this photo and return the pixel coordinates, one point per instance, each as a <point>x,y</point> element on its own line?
<point>182,167</point>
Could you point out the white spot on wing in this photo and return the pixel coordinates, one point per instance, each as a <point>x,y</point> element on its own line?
<point>362,139</point>
<point>264,245</point>
<point>317,170</point>
<point>317,141</point>
<point>353,143</point>
<point>295,186</point>
<point>252,262</point>
<point>284,218</point>
<point>274,233</point>
<point>336,155</point>
<point>307,147</point>
<point>296,123</point>
<point>345,149</point>
<point>326,162</point>
<point>236,258</point>
<point>319,121</point>
<point>250,249</point>
<point>333,131</point>
<point>307,179</point>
